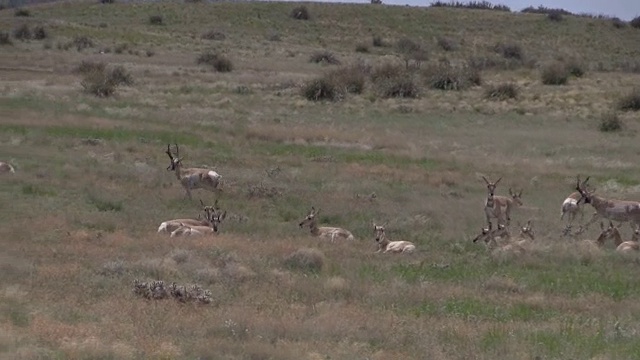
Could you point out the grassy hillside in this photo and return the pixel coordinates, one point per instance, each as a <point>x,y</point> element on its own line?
<point>90,189</point>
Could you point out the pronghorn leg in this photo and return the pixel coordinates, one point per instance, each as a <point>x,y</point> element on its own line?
<point>593,219</point>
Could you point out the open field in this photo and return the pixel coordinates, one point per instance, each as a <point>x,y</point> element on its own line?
<point>91,187</point>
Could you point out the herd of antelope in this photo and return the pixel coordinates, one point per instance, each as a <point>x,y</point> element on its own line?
<point>500,207</point>
<point>496,207</point>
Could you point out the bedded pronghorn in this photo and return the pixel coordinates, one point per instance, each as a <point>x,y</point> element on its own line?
<point>631,245</point>
<point>326,232</point>
<point>170,225</point>
<point>386,246</point>
<point>616,210</point>
<point>526,231</point>
<point>488,235</point>
<point>193,178</point>
<point>214,219</point>
<point>6,168</point>
<point>609,233</point>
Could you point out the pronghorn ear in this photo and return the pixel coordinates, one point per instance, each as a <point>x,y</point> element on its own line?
<point>224,215</point>
<point>202,203</point>
<point>511,192</point>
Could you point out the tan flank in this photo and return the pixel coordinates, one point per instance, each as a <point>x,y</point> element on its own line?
<point>504,204</point>
<point>613,210</point>
<point>6,168</point>
<point>386,246</point>
<point>326,232</point>
<point>193,178</point>
<point>571,206</point>
<point>631,245</point>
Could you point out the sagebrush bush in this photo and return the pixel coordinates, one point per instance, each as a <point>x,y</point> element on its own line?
<point>40,33</point>
<point>610,122</point>
<point>5,39</point>
<point>502,91</point>
<point>510,51</point>
<point>403,86</point>
<point>88,66</point>
<point>156,20</point>
<point>214,35</point>
<point>102,82</point>
<point>362,48</point>
<point>22,12</point>
<point>82,42</point>
<point>385,71</point>
<point>635,22</point>
<point>22,33</point>
<point>322,88</point>
<point>575,67</point>
<point>447,44</point>
<point>219,62</point>
<point>410,50</point>
<point>617,23</point>
<point>377,41</point>
<point>444,76</point>
<point>631,101</point>
<point>350,79</point>
<point>300,13</point>
<point>555,16</point>
<point>324,57</point>
<point>305,259</point>
<point>555,73</point>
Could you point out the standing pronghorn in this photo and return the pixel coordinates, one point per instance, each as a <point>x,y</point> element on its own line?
<point>193,178</point>
<point>490,208</point>
<point>613,210</point>
<point>632,245</point>
<point>571,206</point>
<point>6,168</point>
<point>326,232</point>
<point>385,245</point>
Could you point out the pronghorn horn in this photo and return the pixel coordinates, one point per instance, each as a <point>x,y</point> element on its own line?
<point>485,180</point>
<point>511,192</point>
<point>497,181</point>
<point>169,151</point>
<point>201,202</point>
<point>177,151</point>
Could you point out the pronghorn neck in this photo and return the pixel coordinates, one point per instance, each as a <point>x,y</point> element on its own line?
<point>313,227</point>
<point>178,168</point>
<point>490,201</point>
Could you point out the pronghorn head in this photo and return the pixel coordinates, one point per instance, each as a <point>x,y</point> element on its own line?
<point>208,209</point>
<point>516,196</point>
<point>585,195</point>
<point>608,232</point>
<point>491,186</point>
<point>527,231</point>
<point>636,234</point>
<point>378,230</point>
<point>484,234</point>
<point>216,218</point>
<point>175,161</point>
<point>309,219</point>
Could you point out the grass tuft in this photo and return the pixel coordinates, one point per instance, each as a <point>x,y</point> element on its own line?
<point>20,12</point>
<point>218,62</point>
<point>306,260</point>
<point>610,122</point>
<point>324,57</point>
<point>555,73</point>
<point>502,91</point>
<point>5,39</point>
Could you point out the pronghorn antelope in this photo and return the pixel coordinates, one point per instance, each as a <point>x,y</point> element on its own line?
<point>526,231</point>
<point>214,219</point>
<point>170,225</point>
<point>326,232</point>
<point>610,232</point>
<point>193,178</point>
<point>571,206</point>
<point>616,210</point>
<point>490,208</point>
<point>488,236</point>
<point>631,245</point>
<point>385,245</point>
<point>6,168</point>
<point>507,203</point>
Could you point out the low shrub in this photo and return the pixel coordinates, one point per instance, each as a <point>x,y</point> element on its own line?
<point>82,42</point>
<point>324,57</point>
<point>631,101</point>
<point>610,122</point>
<point>350,79</point>
<point>40,33</point>
<point>447,44</point>
<point>402,86</point>
<point>121,76</point>
<point>635,22</point>
<point>444,76</point>
<point>22,12</point>
<point>22,33</point>
<point>378,41</point>
<point>102,82</point>
<point>5,39</point>
<point>300,13</point>
<point>575,67</point>
<point>322,88</point>
<point>618,24</point>
<point>502,91</point>
<point>219,62</point>
<point>156,20</point>
<point>555,16</point>
<point>555,73</point>
<point>509,51</point>
<point>305,259</point>
<point>362,48</point>
<point>214,35</point>
<point>88,66</point>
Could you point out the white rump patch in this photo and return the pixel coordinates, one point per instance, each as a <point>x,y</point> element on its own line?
<point>570,201</point>
<point>214,174</point>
